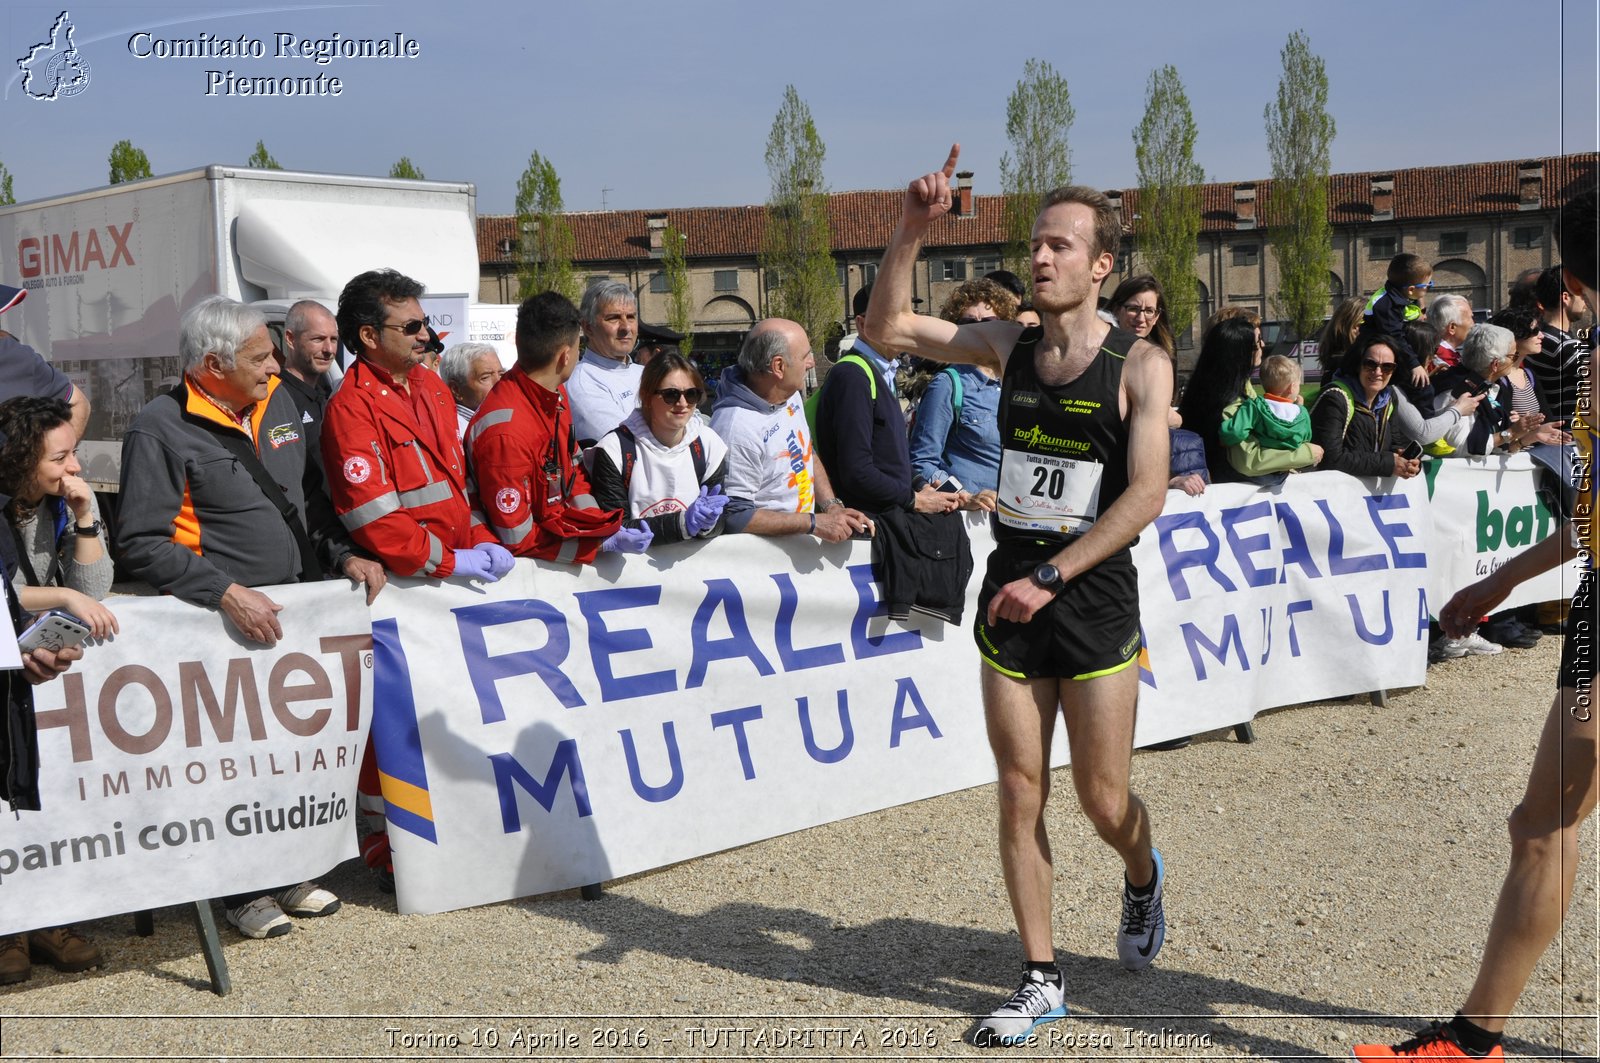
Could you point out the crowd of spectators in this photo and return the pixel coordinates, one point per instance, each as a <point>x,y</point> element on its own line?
<point>584,447</point>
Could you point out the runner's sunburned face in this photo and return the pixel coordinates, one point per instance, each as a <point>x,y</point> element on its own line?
<point>1066,269</point>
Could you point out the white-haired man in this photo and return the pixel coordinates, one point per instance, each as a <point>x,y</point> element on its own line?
<point>1451,317</point>
<point>469,370</point>
<point>197,520</point>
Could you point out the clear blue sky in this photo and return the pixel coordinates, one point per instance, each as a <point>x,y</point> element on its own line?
<point>669,104</point>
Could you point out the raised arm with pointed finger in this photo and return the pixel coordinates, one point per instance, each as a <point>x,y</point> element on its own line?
<point>891,323</point>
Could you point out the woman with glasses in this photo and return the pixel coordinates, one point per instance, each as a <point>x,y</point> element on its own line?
<point>663,466</point>
<point>1140,307</point>
<point>1365,425</point>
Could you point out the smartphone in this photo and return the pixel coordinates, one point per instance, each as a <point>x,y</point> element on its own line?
<point>53,630</point>
<point>1411,451</point>
<point>951,484</point>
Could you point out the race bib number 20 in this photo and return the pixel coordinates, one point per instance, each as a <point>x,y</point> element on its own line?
<point>1043,493</point>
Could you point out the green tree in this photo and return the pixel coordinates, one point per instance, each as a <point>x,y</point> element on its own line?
<point>1039,114</point>
<point>7,195</point>
<point>261,158</point>
<point>1299,134</point>
<point>1169,194</point>
<point>797,249</point>
<point>128,163</point>
<point>545,243</point>
<point>680,306</point>
<point>406,169</point>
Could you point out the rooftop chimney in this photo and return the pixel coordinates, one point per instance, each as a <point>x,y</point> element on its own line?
<point>1115,199</point>
<point>1383,197</point>
<point>1530,185</point>
<point>964,194</point>
<point>1244,206</point>
<point>655,227</point>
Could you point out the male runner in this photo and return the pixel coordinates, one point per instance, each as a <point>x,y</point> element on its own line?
<point>1083,424</point>
<point>1561,787</point>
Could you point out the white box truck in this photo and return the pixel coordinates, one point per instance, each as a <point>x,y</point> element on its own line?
<point>109,271</point>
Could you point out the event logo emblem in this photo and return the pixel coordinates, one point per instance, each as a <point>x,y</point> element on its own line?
<point>54,68</point>
<point>357,470</point>
<point>508,500</point>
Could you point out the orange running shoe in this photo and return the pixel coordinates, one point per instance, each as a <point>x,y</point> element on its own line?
<point>1438,1041</point>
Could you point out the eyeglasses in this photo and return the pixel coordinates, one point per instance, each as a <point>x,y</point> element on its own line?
<point>673,396</point>
<point>1424,286</point>
<point>1381,368</point>
<point>1141,311</point>
<point>412,327</point>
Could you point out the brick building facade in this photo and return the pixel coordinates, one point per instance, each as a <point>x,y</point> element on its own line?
<point>1479,224</point>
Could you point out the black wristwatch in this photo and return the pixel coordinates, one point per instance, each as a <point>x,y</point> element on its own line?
<point>91,532</point>
<point>1048,577</point>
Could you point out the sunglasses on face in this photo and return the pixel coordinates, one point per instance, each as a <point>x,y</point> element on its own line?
<point>673,396</point>
<point>412,327</point>
<point>1381,368</point>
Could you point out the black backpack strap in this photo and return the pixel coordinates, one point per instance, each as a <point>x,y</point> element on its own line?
<point>245,451</point>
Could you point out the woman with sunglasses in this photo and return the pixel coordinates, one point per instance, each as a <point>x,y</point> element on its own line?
<point>663,466</point>
<point>1140,307</point>
<point>1363,422</point>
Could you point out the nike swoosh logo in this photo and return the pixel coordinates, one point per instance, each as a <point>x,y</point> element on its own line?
<point>1149,941</point>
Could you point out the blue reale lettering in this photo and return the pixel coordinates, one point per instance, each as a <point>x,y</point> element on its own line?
<point>509,775</point>
<point>667,790</point>
<point>739,643</point>
<point>862,644</point>
<point>847,734</point>
<point>1243,547</point>
<point>604,643</point>
<point>906,692</point>
<point>737,718</point>
<point>1295,609</point>
<point>545,661</point>
<point>795,660</point>
<point>1195,640</point>
<point>1338,564</point>
<point>1177,559</point>
<point>1298,552</point>
<point>1266,634</point>
<point>1375,639</point>
<point>1423,615</point>
<point>1376,505</point>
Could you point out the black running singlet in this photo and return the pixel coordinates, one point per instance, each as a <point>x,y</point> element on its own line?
<point>1064,450</point>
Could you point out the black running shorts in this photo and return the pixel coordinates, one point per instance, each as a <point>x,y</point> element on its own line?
<point>1091,629</point>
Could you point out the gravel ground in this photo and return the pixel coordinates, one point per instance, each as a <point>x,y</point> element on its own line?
<point>1330,883</point>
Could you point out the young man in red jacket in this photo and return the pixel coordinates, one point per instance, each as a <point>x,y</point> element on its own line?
<point>524,451</point>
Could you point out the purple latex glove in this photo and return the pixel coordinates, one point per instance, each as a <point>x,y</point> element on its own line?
<point>702,514</point>
<point>627,540</point>
<point>475,564</point>
<point>500,559</point>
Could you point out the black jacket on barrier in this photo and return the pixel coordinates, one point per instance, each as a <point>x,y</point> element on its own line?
<point>923,561</point>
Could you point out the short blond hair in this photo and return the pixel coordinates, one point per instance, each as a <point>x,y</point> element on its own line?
<point>1281,375</point>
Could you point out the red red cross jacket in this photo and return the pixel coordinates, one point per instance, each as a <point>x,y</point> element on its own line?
<point>532,486</point>
<point>397,473</point>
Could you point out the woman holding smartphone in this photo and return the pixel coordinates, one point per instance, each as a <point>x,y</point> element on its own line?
<point>63,564</point>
